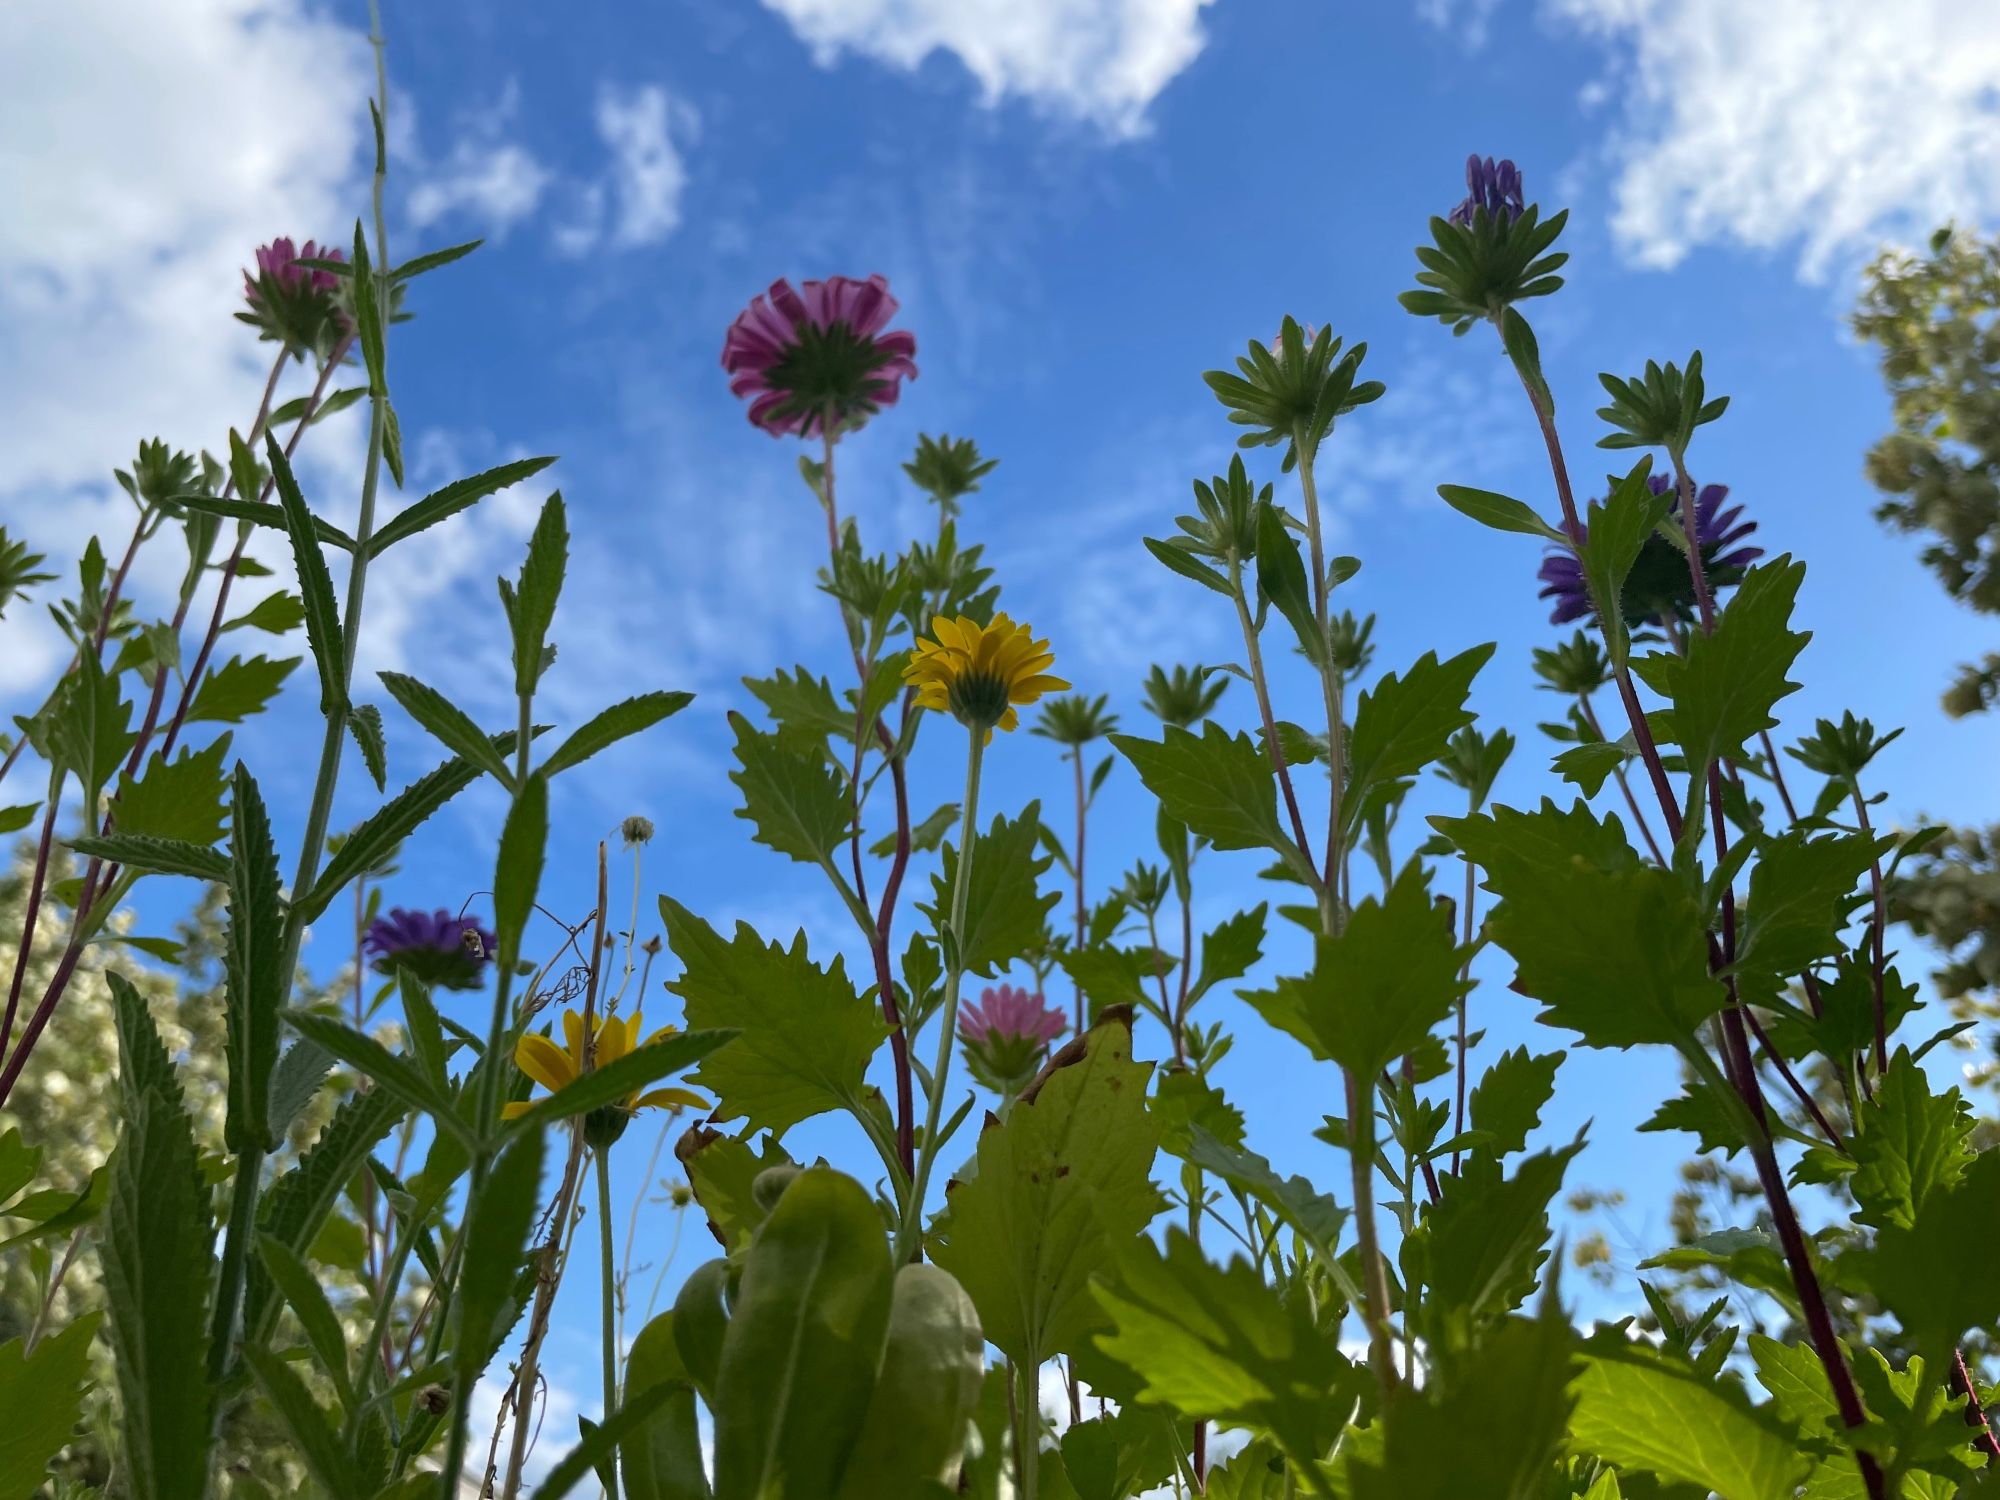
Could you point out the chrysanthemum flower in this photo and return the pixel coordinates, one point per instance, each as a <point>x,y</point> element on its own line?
<point>817,355</point>
<point>292,303</point>
<point>1006,1035</point>
<point>555,1068</point>
<point>1659,586</point>
<point>1493,186</point>
<point>979,673</point>
<point>433,947</point>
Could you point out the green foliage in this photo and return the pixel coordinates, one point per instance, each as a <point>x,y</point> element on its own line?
<point>1923,1273</point>
<point>1404,723</point>
<point>1218,784</point>
<point>1005,909</point>
<point>1507,1103</point>
<point>661,1459</point>
<point>796,801</point>
<point>933,1359</point>
<point>42,1394</point>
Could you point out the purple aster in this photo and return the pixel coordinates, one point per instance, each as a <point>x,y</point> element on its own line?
<point>1493,186</point>
<point>433,947</point>
<point>1006,1034</point>
<point>816,353</point>
<point>1659,586</point>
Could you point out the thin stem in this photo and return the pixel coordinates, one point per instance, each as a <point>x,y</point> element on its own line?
<point>1261,687</point>
<point>1027,1429</point>
<point>908,1233</point>
<point>608,1307</point>
<point>1076,761</point>
<point>1975,1414</point>
<point>1330,691</point>
<point>1624,784</point>
<point>1374,1279</point>
<point>1464,973</point>
<point>632,1222</point>
<point>1878,923</point>
<point>30,922</point>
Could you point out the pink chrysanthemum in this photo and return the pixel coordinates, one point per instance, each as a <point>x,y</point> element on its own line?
<point>278,262</point>
<point>294,304</point>
<point>1006,1035</point>
<point>817,355</point>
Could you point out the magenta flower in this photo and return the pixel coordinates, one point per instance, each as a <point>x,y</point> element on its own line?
<point>278,262</point>
<point>433,947</point>
<point>1659,586</point>
<point>299,306</point>
<point>1006,1035</point>
<point>816,356</point>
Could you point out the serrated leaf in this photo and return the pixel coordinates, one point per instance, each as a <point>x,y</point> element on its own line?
<point>239,689</point>
<point>1005,908</point>
<point>1725,688</point>
<point>497,1225</point>
<point>1507,1102</point>
<point>1405,722</point>
<point>1220,785</point>
<point>1311,1214</point>
<point>364,722</point>
<point>253,964</point>
<point>315,583</point>
<point>803,704</point>
<point>1616,529</point>
<point>42,1395</point>
<point>1111,976</point>
<point>279,614</point>
<point>1057,1186</point>
<point>805,1036</point>
<point>1229,950</point>
<point>1799,890</point>
<point>620,721</point>
<point>531,605</point>
<point>1485,1239</point>
<point>165,856</point>
<point>1698,1111</point>
<point>391,1071</point>
<point>448,723</point>
<point>1642,1411</point>
<point>179,799</point>
<point>1932,1274</point>
<point>1908,1146</point>
<point>798,803</point>
<point>450,500</point>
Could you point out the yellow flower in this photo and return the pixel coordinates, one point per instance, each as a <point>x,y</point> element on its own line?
<point>555,1068</point>
<point>979,673</point>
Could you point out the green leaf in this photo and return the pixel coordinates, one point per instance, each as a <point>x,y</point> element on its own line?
<point>1501,512</point>
<point>1056,1188</point>
<point>430,260</point>
<point>1404,723</point>
<point>311,1431</point>
<point>280,614</point>
<point>298,1285</point>
<point>254,962</point>
<point>803,705</point>
<point>661,1458</point>
<point>1281,578</point>
<point>531,604</point>
<point>1587,766</point>
<point>701,1324</point>
<point>1908,1145</point>
<point>1934,1274</point>
<point>587,1458</point>
<point>1507,1103</point>
<point>1230,950</point>
<point>239,689</point>
<point>394,821</point>
<point>1617,527</point>
<point>1482,1243</point>
<point>804,1343</point>
<point>364,722</point>
<point>617,1082</point>
<point>1726,686</point>
<point>722,1172</point>
<point>1376,990</point>
<point>620,721</point>
<point>1615,950</point>
<point>396,1074</point>
<point>448,723</point>
<point>164,856</point>
<point>1640,1410</point>
<point>42,1395</point>
<point>1799,890</point>
<point>1798,1385</point>
<point>1216,1342</point>
<point>1181,561</point>
<point>925,837</point>
<point>260,514</point>
<point>1220,785</point>
<point>452,499</point>
<point>157,1263</point>
<point>19,1163</point>
<point>1005,909</point>
<point>368,315</point>
<point>315,583</point>
<point>806,1037</point>
<point>932,1364</point>
<point>178,799</point>
<point>85,729</point>
<point>1111,976</point>
<point>14,819</point>
<point>497,1226</point>
<point>1702,1113</point>
<point>798,803</point>
<point>1309,1213</point>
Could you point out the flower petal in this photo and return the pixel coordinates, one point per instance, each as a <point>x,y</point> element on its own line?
<point>545,1062</point>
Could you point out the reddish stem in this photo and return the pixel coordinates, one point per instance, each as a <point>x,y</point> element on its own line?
<point>1975,1414</point>
<point>1624,785</point>
<point>27,944</point>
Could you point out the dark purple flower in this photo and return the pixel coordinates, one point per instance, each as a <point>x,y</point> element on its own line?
<point>1006,1034</point>
<point>817,354</point>
<point>1493,186</point>
<point>1659,586</point>
<point>433,947</point>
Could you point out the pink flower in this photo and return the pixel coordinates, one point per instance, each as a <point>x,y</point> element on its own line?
<point>278,263</point>
<point>816,355</point>
<point>299,306</point>
<point>1005,1036</point>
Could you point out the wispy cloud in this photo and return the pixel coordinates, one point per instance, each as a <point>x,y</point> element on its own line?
<point>636,201</point>
<point>486,180</point>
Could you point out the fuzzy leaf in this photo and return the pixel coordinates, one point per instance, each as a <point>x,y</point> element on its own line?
<point>315,583</point>
<point>448,723</point>
<point>452,499</point>
<point>497,1225</point>
<point>253,964</point>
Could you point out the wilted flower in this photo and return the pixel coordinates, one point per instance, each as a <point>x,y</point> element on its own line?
<point>1492,186</point>
<point>1659,587</point>
<point>978,673</point>
<point>435,948</point>
<point>555,1068</point>
<point>1006,1035</point>
<point>816,356</point>
<point>636,830</point>
<point>292,303</point>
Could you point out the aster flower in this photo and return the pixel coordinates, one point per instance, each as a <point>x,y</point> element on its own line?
<point>979,673</point>
<point>1659,587</point>
<point>555,1068</point>
<point>1492,186</point>
<point>435,948</point>
<point>1006,1035</point>
<point>293,303</point>
<point>817,355</point>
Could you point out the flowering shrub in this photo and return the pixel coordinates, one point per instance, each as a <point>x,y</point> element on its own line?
<point>880,1328</point>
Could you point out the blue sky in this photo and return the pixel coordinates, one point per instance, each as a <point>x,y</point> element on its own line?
<point>1082,205</point>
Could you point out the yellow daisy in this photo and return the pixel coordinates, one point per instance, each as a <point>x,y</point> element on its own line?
<point>978,673</point>
<point>554,1068</point>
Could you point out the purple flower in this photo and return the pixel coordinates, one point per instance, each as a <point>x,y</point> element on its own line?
<point>817,354</point>
<point>1493,186</point>
<point>1006,1034</point>
<point>299,306</point>
<point>435,948</point>
<point>1659,586</point>
<point>278,263</point>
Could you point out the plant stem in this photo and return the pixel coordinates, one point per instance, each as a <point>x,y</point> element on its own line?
<point>1878,923</point>
<point>1464,972</point>
<point>1076,760</point>
<point>1261,687</point>
<point>909,1233</point>
<point>607,1298</point>
<point>1624,784</point>
<point>1332,916</point>
<point>1027,1429</point>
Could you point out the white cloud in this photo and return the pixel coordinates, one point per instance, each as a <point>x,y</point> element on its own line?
<point>486,178</point>
<point>639,195</point>
<point>1104,61</point>
<point>1824,125</point>
<point>1469,19</point>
